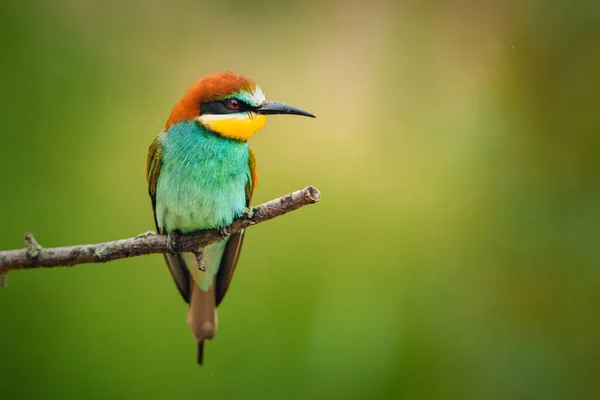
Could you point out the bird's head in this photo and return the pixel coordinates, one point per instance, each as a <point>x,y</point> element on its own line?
<point>228,104</point>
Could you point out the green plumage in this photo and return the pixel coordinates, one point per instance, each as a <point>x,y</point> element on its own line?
<point>202,182</point>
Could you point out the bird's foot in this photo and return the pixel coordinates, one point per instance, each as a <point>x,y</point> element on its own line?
<point>224,232</point>
<point>146,234</point>
<point>248,212</point>
<point>173,241</point>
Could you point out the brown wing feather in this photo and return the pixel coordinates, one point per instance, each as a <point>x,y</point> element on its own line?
<point>175,262</point>
<point>153,164</point>
<point>233,248</point>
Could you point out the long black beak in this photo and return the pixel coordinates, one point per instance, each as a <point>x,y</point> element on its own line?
<point>273,107</point>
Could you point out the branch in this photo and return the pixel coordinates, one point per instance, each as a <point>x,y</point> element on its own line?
<point>35,256</point>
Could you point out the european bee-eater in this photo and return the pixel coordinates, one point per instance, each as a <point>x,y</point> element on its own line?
<point>201,174</point>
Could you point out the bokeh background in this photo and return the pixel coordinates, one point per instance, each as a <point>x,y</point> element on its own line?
<point>455,252</point>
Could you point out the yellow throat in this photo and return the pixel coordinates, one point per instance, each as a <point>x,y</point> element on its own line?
<point>238,126</point>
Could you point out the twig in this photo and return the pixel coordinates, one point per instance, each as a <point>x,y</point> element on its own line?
<point>200,260</point>
<point>35,256</point>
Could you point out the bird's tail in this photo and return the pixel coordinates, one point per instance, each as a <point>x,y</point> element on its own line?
<point>201,352</point>
<point>202,315</point>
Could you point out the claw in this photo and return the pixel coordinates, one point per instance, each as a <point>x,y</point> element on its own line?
<point>248,212</point>
<point>223,232</point>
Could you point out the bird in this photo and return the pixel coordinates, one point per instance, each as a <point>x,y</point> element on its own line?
<point>201,174</point>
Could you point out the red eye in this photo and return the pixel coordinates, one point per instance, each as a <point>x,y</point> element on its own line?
<point>234,103</point>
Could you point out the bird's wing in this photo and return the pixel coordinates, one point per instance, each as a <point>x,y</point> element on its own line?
<point>153,164</point>
<point>175,262</point>
<point>233,248</point>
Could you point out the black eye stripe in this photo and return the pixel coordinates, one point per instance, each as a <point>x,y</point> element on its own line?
<point>223,107</point>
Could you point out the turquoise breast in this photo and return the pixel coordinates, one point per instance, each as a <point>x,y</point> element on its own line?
<point>202,181</point>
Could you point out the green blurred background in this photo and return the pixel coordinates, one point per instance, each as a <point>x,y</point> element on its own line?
<point>455,252</point>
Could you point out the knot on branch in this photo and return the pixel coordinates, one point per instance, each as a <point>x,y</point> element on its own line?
<point>99,253</point>
<point>200,260</point>
<point>33,248</point>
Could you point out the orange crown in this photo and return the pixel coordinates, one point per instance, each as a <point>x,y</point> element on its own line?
<point>210,87</point>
